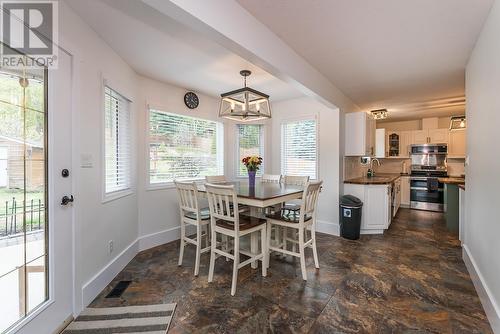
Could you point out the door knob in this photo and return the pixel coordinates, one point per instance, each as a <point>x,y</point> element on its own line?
<point>66,200</point>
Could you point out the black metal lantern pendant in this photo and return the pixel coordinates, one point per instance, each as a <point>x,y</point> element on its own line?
<point>245,104</point>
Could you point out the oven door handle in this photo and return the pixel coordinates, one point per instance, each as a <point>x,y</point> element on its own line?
<point>426,189</point>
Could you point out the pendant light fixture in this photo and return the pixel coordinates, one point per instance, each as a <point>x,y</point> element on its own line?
<point>245,104</point>
<point>458,123</point>
<point>379,114</point>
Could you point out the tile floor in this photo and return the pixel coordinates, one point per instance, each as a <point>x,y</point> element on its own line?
<point>411,279</point>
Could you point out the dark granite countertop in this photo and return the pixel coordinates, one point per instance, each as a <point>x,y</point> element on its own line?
<point>452,180</point>
<point>380,178</point>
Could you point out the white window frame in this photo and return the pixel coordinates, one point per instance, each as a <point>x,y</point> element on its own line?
<point>114,195</point>
<point>313,117</point>
<point>237,148</point>
<point>170,184</point>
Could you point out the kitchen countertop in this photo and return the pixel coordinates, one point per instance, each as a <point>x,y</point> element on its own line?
<point>452,180</point>
<point>381,178</point>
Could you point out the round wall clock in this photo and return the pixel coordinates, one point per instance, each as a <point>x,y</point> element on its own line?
<point>191,100</point>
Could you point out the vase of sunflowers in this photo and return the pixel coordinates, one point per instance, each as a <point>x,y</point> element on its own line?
<point>252,163</point>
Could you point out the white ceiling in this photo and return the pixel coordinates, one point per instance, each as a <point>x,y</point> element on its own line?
<point>383,53</point>
<point>158,47</point>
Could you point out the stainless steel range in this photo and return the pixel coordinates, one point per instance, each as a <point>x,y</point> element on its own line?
<point>428,163</point>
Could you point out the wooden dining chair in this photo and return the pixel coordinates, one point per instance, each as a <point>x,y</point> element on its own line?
<point>226,222</point>
<point>304,221</point>
<point>293,207</point>
<point>294,180</point>
<point>192,214</point>
<point>216,179</point>
<point>271,178</point>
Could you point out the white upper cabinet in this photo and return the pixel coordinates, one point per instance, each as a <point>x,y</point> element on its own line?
<point>359,134</point>
<point>392,144</point>
<point>438,136</point>
<point>380,143</point>
<point>404,144</point>
<point>430,136</point>
<point>419,137</point>
<point>457,145</point>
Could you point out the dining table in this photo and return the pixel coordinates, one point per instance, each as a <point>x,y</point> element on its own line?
<point>260,196</point>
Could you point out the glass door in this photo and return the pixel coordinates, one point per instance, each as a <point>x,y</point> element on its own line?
<point>394,144</point>
<point>23,193</point>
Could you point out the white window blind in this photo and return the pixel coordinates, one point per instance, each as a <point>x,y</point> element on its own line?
<point>183,147</point>
<point>298,148</point>
<point>116,141</point>
<point>250,142</point>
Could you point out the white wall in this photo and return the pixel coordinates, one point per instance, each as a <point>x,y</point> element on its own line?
<point>482,237</point>
<point>329,153</point>
<point>147,217</point>
<point>96,223</point>
<point>158,208</point>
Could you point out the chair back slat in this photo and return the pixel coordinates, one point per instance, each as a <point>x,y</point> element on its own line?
<point>271,178</point>
<point>310,199</point>
<point>295,180</point>
<point>223,204</point>
<point>188,197</point>
<point>215,179</point>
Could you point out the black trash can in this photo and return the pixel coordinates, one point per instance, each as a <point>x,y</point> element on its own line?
<point>350,217</point>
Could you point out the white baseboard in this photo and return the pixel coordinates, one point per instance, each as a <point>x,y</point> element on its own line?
<point>96,284</point>
<point>381,231</point>
<point>489,304</point>
<point>327,227</point>
<point>159,238</point>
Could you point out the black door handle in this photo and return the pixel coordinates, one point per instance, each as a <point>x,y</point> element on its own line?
<point>66,200</point>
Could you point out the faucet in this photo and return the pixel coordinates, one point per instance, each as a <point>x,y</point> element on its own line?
<point>370,172</point>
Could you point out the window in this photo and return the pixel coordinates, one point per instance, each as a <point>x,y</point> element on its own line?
<point>298,148</point>
<point>250,142</point>
<point>183,147</point>
<point>116,142</point>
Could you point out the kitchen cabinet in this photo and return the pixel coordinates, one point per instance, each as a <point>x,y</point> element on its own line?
<point>376,215</point>
<point>380,143</point>
<point>457,144</point>
<point>392,143</point>
<point>359,134</point>
<point>405,191</point>
<point>430,136</point>
<point>397,197</point>
<point>404,143</point>
<point>419,137</point>
<point>438,136</point>
<point>461,215</point>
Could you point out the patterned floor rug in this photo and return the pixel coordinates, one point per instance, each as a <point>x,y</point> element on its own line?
<point>145,319</point>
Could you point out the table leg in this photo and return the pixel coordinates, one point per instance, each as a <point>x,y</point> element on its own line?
<point>254,247</point>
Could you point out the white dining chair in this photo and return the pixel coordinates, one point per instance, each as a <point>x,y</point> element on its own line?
<point>192,214</point>
<point>271,178</point>
<point>301,223</point>
<point>294,180</point>
<point>293,206</point>
<point>216,179</point>
<point>226,222</point>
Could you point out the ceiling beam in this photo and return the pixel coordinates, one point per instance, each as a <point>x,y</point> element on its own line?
<point>230,25</point>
